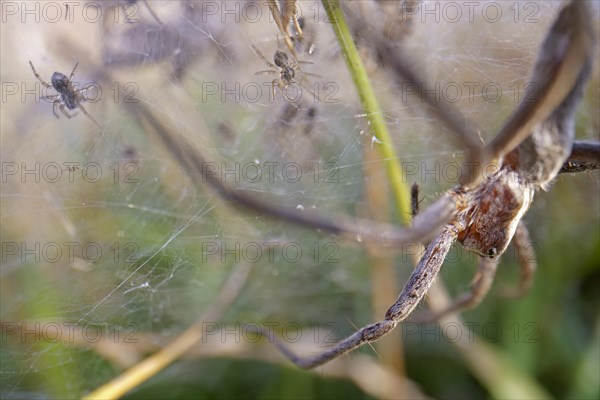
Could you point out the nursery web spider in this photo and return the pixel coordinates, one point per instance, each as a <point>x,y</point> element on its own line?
<point>482,213</point>
<point>486,212</point>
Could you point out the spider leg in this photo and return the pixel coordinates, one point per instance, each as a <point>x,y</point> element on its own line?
<point>267,72</point>
<point>258,53</point>
<point>81,92</point>
<point>275,83</point>
<point>65,113</point>
<point>52,97</point>
<point>571,167</point>
<point>583,150</point>
<point>309,74</point>
<point>292,97</point>
<point>73,72</point>
<point>480,286</point>
<point>56,103</point>
<point>382,236</point>
<point>527,262</point>
<point>46,84</point>
<point>88,115</point>
<point>562,67</point>
<point>315,95</point>
<point>585,156</point>
<point>414,290</point>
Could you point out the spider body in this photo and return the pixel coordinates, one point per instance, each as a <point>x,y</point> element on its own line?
<point>496,207</point>
<point>286,70</point>
<point>288,74</point>
<point>65,89</point>
<point>67,96</point>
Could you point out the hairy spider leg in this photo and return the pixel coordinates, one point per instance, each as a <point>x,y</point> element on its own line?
<point>527,263</point>
<point>46,84</point>
<point>480,286</point>
<point>73,72</point>
<point>88,115</point>
<point>61,106</point>
<point>414,290</point>
<point>262,57</point>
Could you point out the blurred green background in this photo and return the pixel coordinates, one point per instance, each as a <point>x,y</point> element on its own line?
<point>106,239</point>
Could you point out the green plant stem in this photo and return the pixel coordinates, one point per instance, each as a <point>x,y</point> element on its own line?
<point>371,107</point>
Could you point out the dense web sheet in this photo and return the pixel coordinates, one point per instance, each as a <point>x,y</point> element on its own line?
<point>109,248</point>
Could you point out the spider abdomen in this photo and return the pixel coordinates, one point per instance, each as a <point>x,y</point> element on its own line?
<point>497,207</point>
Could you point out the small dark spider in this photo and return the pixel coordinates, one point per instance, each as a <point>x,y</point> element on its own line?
<point>67,94</point>
<point>281,60</point>
<point>287,70</point>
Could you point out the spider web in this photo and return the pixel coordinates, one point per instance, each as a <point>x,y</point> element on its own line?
<point>109,248</point>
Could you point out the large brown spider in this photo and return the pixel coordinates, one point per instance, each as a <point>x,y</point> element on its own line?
<point>483,213</point>
<point>67,95</point>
